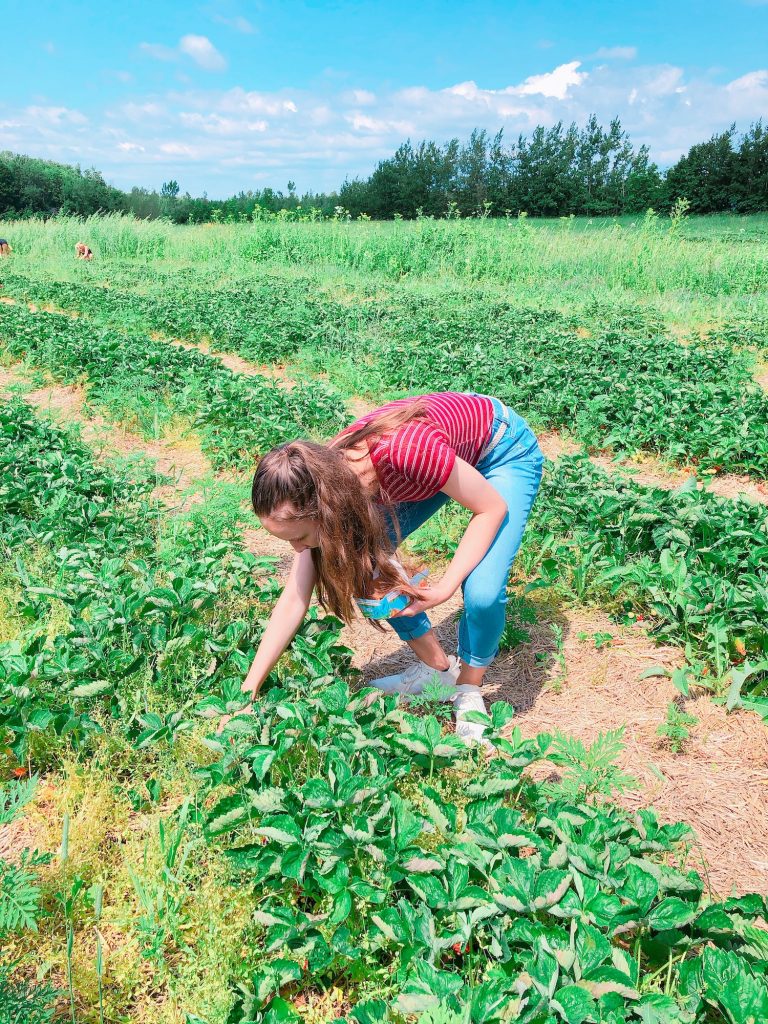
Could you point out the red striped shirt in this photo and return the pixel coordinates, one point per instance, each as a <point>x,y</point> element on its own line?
<point>413,462</point>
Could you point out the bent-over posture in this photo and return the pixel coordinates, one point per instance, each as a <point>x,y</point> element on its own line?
<point>346,505</point>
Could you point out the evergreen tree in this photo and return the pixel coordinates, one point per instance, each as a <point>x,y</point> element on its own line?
<point>750,185</point>
<point>705,176</point>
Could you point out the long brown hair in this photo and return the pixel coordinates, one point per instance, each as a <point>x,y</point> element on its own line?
<point>303,480</point>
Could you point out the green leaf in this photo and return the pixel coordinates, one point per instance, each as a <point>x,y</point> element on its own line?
<point>653,671</point>
<point>592,948</point>
<point>372,1011</point>
<point>640,888</point>
<point>228,814</point>
<point>428,889</point>
<point>14,797</point>
<point>287,833</point>
<point>268,800</point>
<point>280,1012</point>
<point>671,913</point>
<point>342,908</point>
<point>573,1003</point>
<point>94,689</point>
<point>261,761</point>
<point>731,985</point>
<point>607,980</point>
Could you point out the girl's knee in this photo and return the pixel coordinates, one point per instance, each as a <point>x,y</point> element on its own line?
<point>482,599</point>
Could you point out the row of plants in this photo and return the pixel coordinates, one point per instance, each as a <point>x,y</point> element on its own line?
<point>695,565</point>
<point>116,620</point>
<point>388,863</point>
<point>267,320</point>
<point>612,375</point>
<point>154,387</point>
<point>384,861</point>
<point>116,611</point>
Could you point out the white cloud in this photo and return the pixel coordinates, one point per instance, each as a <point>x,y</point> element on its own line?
<point>237,99</point>
<point>203,52</point>
<point>214,124</point>
<point>359,97</point>
<point>159,52</point>
<point>56,115</point>
<point>239,24</point>
<point>182,149</point>
<point>752,80</point>
<point>49,47</point>
<point>363,123</point>
<point>200,49</point>
<point>139,113</point>
<point>667,81</point>
<point>554,84</point>
<point>222,140</point>
<point>616,52</point>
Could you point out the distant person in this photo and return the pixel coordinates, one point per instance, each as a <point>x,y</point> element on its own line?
<point>82,252</point>
<point>5,249</point>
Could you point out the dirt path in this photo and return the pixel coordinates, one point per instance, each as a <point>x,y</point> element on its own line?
<point>648,471</point>
<point>183,463</point>
<point>645,469</point>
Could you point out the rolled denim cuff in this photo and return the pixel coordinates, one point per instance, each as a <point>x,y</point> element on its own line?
<point>473,661</point>
<point>410,627</point>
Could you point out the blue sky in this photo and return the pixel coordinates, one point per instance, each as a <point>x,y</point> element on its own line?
<point>235,94</point>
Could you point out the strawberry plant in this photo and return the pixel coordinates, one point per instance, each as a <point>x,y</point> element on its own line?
<point>366,836</point>
<point>147,383</point>
<point>611,375</point>
<point>149,607</point>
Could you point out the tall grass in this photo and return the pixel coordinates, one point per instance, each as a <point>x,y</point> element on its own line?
<point>702,260</point>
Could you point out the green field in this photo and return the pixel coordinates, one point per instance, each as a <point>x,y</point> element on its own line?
<point>336,856</point>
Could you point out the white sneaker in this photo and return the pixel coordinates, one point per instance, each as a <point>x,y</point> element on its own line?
<point>470,698</point>
<point>413,680</point>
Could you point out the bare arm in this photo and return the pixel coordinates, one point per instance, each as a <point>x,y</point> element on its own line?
<point>474,492</point>
<point>286,617</point>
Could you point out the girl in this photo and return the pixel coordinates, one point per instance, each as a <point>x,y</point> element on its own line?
<point>344,506</point>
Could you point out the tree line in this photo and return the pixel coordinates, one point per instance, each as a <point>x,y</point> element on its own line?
<point>554,172</point>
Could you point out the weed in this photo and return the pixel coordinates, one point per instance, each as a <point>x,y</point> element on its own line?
<point>675,728</point>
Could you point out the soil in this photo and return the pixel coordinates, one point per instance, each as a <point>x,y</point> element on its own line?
<point>651,472</point>
<point>183,464</point>
<point>234,362</point>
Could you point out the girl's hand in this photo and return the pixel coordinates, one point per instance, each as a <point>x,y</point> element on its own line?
<point>429,597</point>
